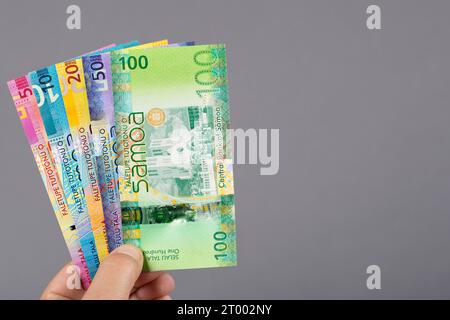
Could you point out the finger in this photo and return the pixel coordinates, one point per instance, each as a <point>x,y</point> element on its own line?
<point>164,298</point>
<point>63,287</point>
<point>116,275</point>
<point>161,286</point>
<point>146,277</point>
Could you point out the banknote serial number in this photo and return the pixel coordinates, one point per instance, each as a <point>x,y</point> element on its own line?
<point>225,310</point>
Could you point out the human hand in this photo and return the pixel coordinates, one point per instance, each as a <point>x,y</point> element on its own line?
<point>119,277</point>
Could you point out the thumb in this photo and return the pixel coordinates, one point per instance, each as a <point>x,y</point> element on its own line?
<point>116,275</point>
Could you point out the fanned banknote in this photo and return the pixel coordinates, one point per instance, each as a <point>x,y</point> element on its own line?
<point>51,106</point>
<point>46,87</point>
<point>98,82</point>
<point>171,166</point>
<point>175,161</point>
<point>27,108</point>
<point>101,109</point>
<point>71,79</point>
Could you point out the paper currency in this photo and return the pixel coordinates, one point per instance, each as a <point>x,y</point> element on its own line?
<point>27,108</point>
<point>46,87</point>
<point>175,162</point>
<point>51,106</point>
<point>133,147</point>
<point>71,78</point>
<point>98,82</point>
<point>101,110</point>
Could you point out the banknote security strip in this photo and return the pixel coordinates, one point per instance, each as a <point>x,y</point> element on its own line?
<point>135,146</point>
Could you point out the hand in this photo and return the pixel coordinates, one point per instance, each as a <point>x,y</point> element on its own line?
<point>118,277</point>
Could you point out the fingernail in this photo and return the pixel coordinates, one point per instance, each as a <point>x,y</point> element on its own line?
<point>129,250</point>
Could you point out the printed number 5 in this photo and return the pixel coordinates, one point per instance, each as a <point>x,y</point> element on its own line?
<point>25,93</point>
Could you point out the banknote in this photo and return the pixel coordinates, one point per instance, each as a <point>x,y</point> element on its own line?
<point>71,79</point>
<point>98,85</point>
<point>46,87</point>
<point>120,78</point>
<point>49,98</point>
<point>174,155</point>
<point>27,108</point>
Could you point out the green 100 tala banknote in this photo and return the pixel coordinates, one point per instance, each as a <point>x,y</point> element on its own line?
<point>175,161</point>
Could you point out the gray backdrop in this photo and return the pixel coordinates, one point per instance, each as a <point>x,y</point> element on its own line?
<point>364,135</point>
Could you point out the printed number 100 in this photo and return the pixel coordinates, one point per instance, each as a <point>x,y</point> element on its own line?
<point>132,62</point>
<point>220,245</point>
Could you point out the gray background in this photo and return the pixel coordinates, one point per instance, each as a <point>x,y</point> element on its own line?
<point>365,141</point>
